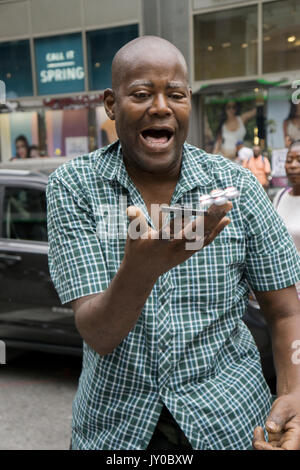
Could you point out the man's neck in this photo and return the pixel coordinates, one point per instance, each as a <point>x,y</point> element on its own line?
<point>155,188</point>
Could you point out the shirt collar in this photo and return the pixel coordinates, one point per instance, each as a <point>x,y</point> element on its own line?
<point>111,166</point>
<point>192,172</point>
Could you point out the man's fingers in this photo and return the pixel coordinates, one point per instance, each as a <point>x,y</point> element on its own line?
<point>290,438</point>
<point>259,442</point>
<point>221,225</point>
<point>138,223</point>
<point>260,445</point>
<point>279,415</point>
<point>258,435</point>
<point>220,211</point>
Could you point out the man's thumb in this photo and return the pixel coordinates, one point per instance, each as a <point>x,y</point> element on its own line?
<point>279,415</point>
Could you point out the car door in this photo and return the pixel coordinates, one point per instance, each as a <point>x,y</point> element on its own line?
<point>30,309</point>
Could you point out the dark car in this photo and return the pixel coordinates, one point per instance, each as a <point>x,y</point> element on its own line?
<point>31,315</point>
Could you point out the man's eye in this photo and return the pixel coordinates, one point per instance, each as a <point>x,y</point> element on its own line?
<point>176,96</point>
<point>141,95</point>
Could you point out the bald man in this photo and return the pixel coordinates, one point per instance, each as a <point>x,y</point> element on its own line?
<point>167,361</point>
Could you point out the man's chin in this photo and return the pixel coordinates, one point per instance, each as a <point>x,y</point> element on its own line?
<point>159,162</point>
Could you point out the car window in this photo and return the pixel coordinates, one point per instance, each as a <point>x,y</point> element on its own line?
<point>24,214</point>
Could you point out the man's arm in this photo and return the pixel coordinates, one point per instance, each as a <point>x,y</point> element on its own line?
<point>282,311</point>
<point>104,320</point>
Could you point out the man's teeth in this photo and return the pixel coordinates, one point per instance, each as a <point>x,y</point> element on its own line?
<point>156,140</point>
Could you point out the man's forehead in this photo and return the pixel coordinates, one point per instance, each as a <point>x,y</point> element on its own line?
<point>148,58</point>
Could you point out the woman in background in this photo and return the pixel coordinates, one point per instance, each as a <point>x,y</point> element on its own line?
<point>291,125</point>
<point>22,148</point>
<point>287,201</point>
<point>231,129</point>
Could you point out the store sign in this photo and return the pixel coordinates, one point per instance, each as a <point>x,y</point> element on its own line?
<point>59,64</point>
<point>76,146</point>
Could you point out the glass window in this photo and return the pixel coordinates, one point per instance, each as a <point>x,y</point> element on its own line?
<point>198,4</point>
<point>25,214</point>
<point>225,43</point>
<point>15,70</point>
<point>102,46</point>
<point>281,36</point>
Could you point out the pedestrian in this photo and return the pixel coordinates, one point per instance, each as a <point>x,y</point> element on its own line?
<point>291,125</point>
<point>287,201</point>
<point>34,151</point>
<point>243,154</point>
<point>231,128</point>
<point>260,166</point>
<point>163,336</point>
<point>22,147</point>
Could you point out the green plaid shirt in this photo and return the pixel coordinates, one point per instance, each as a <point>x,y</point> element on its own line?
<point>189,348</point>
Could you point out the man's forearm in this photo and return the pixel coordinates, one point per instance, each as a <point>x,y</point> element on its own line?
<point>285,332</point>
<point>107,318</point>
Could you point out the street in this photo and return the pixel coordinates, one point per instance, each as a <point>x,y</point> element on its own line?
<point>37,391</point>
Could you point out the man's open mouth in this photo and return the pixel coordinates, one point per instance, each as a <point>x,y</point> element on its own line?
<point>157,137</point>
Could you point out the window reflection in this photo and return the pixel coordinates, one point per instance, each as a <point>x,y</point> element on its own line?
<point>15,68</point>
<point>225,43</point>
<point>281,36</point>
<point>102,46</point>
<point>24,214</point>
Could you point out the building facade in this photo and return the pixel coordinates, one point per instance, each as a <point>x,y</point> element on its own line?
<point>243,58</point>
<point>55,60</point>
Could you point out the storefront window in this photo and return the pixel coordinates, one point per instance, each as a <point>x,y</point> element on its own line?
<point>225,43</point>
<point>59,64</point>
<point>15,70</point>
<point>102,46</point>
<point>281,36</point>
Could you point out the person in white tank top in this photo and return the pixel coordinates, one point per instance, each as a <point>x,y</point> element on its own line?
<point>291,125</point>
<point>287,201</point>
<point>230,138</point>
<point>231,129</point>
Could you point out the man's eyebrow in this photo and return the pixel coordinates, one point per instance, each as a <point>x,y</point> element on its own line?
<point>148,83</point>
<point>176,85</point>
<point>141,83</point>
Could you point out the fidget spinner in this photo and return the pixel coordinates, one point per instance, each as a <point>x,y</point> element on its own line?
<point>218,197</point>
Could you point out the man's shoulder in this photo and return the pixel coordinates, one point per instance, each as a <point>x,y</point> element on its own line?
<point>85,166</point>
<point>216,165</point>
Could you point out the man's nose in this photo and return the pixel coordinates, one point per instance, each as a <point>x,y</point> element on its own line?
<point>160,105</point>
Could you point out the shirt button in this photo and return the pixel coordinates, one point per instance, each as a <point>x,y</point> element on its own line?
<point>163,347</point>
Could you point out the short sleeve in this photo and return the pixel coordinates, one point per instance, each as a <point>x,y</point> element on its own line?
<point>76,261</point>
<point>272,260</point>
<point>267,166</point>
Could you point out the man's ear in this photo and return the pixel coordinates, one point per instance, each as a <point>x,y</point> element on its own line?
<point>109,103</point>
